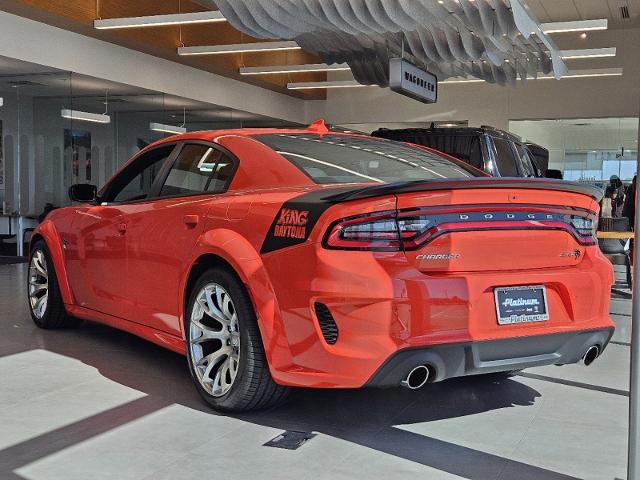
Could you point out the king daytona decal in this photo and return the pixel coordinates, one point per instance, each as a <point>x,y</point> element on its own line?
<point>294,221</point>
<point>292,224</point>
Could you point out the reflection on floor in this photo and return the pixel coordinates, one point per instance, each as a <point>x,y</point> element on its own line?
<point>97,403</point>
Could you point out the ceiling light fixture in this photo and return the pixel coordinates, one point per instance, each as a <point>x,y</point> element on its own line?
<point>328,84</point>
<point>85,116</point>
<point>588,53</point>
<point>159,20</point>
<point>577,26</point>
<point>161,127</point>
<point>238,48</point>
<point>164,128</point>
<point>88,116</point>
<point>596,72</point>
<point>312,67</point>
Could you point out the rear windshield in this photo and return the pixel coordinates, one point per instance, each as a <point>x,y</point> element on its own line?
<point>352,159</point>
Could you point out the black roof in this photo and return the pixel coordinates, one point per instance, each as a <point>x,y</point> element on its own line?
<point>396,134</point>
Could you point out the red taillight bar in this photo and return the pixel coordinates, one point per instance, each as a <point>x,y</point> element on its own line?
<point>394,231</point>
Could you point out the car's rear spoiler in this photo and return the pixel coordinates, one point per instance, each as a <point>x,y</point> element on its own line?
<point>360,193</point>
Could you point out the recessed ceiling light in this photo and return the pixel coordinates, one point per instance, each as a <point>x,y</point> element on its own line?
<point>159,20</point>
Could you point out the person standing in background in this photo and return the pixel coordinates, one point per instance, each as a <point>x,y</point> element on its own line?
<point>606,207</point>
<point>618,195</point>
<point>629,208</point>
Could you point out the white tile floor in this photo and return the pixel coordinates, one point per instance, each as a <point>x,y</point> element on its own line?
<point>95,403</point>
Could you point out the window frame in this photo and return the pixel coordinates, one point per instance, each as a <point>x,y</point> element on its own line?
<point>131,166</point>
<point>181,145</point>
<point>165,169</point>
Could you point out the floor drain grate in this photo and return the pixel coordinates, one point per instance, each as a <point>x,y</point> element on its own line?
<point>290,440</point>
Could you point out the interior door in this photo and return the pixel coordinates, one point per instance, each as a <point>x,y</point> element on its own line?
<point>163,231</point>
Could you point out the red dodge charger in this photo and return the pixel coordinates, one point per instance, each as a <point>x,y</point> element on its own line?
<point>278,258</point>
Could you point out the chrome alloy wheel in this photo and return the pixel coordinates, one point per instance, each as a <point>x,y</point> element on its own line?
<point>38,284</point>
<point>214,339</point>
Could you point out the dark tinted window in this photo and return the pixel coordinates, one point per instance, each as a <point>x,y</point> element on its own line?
<point>505,157</point>
<point>135,182</point>
<point>198,169</point>
<point>352,159</point>
<point>526,162</point>
<point>465,147</point>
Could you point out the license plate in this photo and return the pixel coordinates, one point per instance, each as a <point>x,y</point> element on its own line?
<point>521,304</point>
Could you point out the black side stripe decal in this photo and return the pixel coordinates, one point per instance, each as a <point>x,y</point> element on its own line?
<point>297,217</point>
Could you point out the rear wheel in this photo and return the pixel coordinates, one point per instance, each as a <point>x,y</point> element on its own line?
<point>45,301</point>
<point>224,347</point>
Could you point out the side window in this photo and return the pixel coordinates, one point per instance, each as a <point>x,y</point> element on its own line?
<point>198,169</point>
<point>135,182</point>
<point>526,162</point>
<point>505,158</point>
<point>475,154</point>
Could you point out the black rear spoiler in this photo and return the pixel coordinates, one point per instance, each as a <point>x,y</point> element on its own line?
<point>360,193</point>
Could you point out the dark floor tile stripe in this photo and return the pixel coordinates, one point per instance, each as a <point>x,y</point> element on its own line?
<point>571,383</point>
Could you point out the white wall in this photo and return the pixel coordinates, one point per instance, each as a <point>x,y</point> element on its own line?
<point>485,104</point>
<point>43,44</point>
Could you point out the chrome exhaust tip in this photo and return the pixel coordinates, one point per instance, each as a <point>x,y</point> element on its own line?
<point>590,355</point>
<point>416,378</point>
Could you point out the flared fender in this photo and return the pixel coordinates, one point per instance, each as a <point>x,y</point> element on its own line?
<point>246,261</point>
<point>47,230</point>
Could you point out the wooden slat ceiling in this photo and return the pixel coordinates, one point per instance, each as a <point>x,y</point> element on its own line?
<point>78,15</point>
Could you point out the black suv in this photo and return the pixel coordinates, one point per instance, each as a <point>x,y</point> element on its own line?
<point>497,152</point>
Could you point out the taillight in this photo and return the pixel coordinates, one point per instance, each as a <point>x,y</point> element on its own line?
<point>409,230</point>
<point>585,228</point>
<point>383,232</point>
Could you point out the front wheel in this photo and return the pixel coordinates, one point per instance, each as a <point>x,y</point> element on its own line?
<point>224,348</point>
<point>45,301</point>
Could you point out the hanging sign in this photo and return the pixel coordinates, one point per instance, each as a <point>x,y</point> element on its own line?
<point>407,79</point>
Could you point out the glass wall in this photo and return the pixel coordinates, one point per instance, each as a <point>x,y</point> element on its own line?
<point>45,148</point>
<point>589,150</point>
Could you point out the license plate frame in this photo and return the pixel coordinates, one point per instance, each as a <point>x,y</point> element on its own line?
<point>526,306</point>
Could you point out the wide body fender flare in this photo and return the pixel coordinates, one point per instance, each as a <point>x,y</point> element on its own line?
<point>47,230</point>
<point>245,260</point>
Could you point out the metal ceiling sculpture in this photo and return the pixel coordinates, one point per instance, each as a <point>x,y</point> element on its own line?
<point>494,40</point>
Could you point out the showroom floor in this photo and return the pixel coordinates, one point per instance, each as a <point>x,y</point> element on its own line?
<point>97,403</point>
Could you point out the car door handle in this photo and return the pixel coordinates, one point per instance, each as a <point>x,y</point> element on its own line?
<point>122,228</point>
<point>191,220</point>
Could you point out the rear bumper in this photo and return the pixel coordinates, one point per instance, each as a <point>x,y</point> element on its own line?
<point>382,305</point>
<point>474,358</point>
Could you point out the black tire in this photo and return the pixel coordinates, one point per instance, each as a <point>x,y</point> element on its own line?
<point>55,315</point>
<point>253,387</point>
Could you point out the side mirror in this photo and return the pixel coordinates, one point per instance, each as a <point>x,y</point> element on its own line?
<point>82,192</point>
